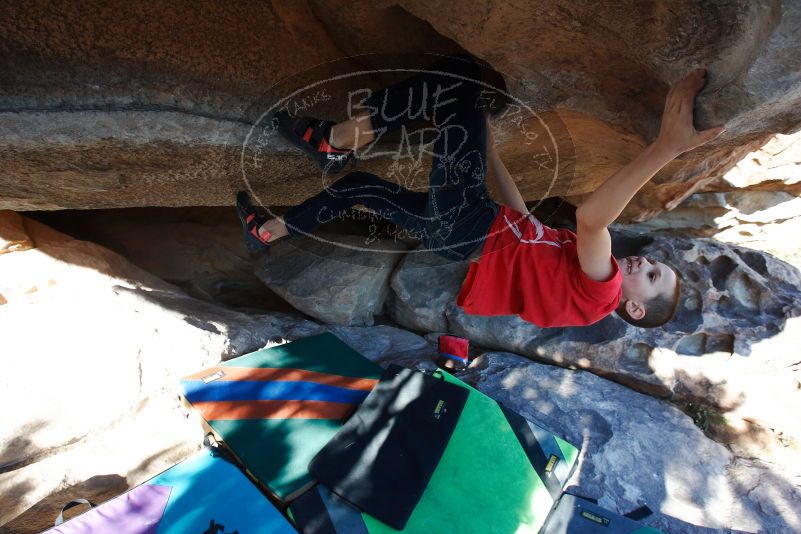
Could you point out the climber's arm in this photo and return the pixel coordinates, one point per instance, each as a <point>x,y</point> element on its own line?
<point>510,195</point>
<point>602,207</point>
<point>594,245</point>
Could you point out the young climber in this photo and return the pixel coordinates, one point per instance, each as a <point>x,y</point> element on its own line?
<point>549,277</point>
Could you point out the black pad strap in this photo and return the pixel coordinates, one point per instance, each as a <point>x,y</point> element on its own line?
<point>533,449</point>
<point>311,515</point>
<point>639,514</point>
<point>72,504</point>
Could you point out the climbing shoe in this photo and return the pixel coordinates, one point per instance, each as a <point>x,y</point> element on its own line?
<point>312,136</point>
<point>251,222</point>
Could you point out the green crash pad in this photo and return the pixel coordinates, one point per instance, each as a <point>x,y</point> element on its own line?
<point>499,473</point>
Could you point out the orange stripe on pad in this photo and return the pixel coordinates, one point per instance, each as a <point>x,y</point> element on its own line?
<point>272,409</point>
<point>280,374</point>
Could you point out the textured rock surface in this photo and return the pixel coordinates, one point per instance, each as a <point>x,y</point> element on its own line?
<point>640,450</point>
<point>754,204</point>
<point>339,281</point>
<point>88,339</point>
<point>13,237</point>
<point>199,250</point>
<point>98,467</point>
<point>422,286</point>
<point>103,118</point>
<point>553,50</point>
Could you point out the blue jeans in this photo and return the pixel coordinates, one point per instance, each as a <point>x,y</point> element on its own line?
<point>453,218</point>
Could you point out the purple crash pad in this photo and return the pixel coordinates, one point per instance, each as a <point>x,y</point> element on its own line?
<point>137,512</point>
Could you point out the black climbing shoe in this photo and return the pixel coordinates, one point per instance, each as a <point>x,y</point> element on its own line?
<point>251,222</point>
<point>311,135</point>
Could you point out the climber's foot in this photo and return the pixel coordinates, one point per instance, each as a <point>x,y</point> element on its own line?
<point>313,137</point>
<point>273,230</point>
<point>255,240</point>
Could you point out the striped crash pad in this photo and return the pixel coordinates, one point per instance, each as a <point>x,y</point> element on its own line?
<point>274,409</point>
<point>204,493</point>
<point>500,473</point>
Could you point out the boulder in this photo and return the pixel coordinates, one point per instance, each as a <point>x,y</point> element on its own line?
<point>754,204</point>
<point>623,83</point>
<point>200,250</point>
<point>105,119</point>
<point>336,279</point>
<point>637,450</point>
<point>422,286</point>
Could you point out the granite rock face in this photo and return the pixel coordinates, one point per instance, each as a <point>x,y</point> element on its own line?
<point>422,287</point>
<point>754,204</point>
<point>339,281</point>
<point>552,51</point>
<point>639,450</point>
<point>73,305</point>
<point>93,116</point>
<point>200,250</point>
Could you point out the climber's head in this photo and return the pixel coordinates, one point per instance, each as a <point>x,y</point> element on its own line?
<point>651,291</point>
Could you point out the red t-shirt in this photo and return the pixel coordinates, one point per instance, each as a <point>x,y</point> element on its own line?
<point>529,269</point>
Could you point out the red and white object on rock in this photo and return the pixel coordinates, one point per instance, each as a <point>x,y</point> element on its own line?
<point>454,348</point>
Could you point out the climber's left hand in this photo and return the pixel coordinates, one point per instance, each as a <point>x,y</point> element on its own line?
<point>677,133</point>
